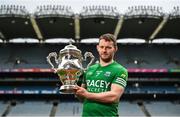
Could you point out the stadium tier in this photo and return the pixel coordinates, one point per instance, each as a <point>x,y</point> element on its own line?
<point>59,21</point>
<point>154,56</point>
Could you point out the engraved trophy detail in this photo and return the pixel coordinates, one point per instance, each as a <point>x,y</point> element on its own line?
<point>69,66</point>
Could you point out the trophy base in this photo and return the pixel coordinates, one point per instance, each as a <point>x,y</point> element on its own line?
<point>67,89</point>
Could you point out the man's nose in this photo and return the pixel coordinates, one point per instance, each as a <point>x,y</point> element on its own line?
<point>104,49</point>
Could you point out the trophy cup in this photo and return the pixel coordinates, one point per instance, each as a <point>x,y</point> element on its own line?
<point>69,66</point>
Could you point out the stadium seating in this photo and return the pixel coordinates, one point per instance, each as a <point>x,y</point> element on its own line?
<point>131,56</point>
<point>163,108</point>
<point>69,109</point>
<point>31,108</point>
<point>130,109</point>
<point>126,108</point>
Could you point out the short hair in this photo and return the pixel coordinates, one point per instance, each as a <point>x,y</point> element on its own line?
<point>109,37</point>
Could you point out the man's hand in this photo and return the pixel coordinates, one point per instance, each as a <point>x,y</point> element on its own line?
<point>80,92</point>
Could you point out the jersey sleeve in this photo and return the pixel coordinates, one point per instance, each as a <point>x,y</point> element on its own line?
<point>121,78</point>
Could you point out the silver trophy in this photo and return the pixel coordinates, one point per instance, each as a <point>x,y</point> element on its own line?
<point>69,66</point>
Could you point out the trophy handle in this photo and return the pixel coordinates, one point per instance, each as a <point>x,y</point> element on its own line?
<point>52,54</point>
<point>89,54</point>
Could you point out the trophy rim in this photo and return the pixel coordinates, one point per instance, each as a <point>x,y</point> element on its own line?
<point>69,48</point>
<point>67,89</point>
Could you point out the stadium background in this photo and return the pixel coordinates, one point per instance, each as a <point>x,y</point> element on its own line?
<point>30,30</point>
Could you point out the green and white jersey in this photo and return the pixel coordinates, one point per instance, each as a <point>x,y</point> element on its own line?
<point>99,79</point>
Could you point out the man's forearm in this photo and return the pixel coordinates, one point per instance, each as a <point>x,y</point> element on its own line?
<point>104,97</point>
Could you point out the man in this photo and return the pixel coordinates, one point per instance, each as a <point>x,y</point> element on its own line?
<point>104,82</point>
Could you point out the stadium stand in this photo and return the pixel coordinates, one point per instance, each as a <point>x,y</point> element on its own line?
<point>28,86</point>
<point>148,56</point>
<point>126,108</point>
<point>130,109</point>
<point>2,106</point>
<point>163,108</point>
<point>132,56</point>
<point>69,108</point>
<point>30,109</point>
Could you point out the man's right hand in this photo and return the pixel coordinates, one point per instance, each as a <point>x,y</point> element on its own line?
<point>79,93</point>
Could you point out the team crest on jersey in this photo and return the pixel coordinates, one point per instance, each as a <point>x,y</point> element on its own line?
<point>107,74</point>
<point>89,73</point>
<point>98,72</point>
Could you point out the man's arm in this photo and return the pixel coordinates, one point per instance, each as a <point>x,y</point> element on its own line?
<point>105,97</point>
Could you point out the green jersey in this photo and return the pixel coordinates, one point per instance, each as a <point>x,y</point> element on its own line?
<point>99,79</point>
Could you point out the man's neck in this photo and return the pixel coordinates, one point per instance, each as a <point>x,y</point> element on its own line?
<point>102,63</point>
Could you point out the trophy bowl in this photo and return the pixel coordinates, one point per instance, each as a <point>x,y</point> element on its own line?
<point>69,66</point>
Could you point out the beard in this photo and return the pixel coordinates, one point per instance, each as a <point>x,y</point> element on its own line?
<point>106,59</point>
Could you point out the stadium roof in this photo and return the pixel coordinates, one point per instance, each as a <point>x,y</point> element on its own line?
<point>84,19</point>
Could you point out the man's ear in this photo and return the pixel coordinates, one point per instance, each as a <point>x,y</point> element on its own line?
<point>116,49</point>
<point>97,47</point>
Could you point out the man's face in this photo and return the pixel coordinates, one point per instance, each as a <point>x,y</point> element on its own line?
<point>106,50</point>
